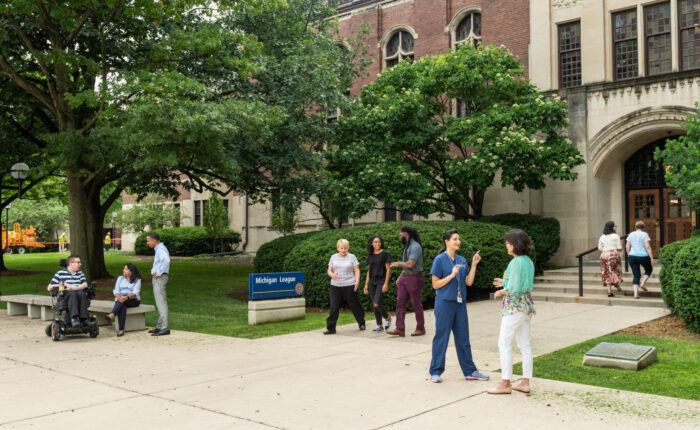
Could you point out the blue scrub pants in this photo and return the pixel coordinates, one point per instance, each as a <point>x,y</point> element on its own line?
<point>450,315</point>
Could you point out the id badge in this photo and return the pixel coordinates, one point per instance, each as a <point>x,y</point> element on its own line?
<point>459,296</point>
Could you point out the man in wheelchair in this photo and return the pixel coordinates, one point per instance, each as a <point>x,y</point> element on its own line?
<point>72,282</point>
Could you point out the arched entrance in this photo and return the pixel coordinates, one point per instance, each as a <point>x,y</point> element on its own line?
<point>665,214</point>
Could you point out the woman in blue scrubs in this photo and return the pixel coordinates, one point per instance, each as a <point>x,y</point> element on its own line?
<point>451,275</point>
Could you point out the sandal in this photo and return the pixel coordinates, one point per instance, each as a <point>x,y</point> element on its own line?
<point>499,390</point>
<point>522,390</point>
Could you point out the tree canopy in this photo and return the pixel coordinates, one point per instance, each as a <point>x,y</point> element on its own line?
<point>148,96</point>
<point>682,159</point>
<point>432,135</point>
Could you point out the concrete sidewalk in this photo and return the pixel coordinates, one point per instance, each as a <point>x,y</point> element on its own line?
<point>353,380</point>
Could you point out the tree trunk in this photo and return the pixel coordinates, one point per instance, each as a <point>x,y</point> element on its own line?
<point>86,222</point>
<point>3,268</point>
<point>461,211</point>
<point>478,199</point>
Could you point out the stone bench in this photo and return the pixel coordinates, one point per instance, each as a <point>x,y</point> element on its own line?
<point>40,307</point>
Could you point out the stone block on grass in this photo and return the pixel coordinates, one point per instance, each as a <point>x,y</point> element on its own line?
<point>625,356</point>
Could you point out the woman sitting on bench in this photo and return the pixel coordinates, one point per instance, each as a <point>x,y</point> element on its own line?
<point>126,295</point>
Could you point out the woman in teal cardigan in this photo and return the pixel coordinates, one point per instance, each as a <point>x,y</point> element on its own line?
<point>517,308</point>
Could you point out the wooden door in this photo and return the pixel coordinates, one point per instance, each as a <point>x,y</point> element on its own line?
<point>644,206</point>
<point>677,217</point>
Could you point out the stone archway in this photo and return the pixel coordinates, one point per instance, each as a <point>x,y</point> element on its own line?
<point>616,142</point>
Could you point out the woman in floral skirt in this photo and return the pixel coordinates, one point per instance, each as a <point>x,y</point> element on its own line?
<point>610,246</point>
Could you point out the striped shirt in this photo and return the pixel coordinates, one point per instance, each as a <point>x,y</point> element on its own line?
<point>68,278</point>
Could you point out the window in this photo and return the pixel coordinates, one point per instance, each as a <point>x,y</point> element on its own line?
<point>406,216</point>
<point>657,31</point>
<point>399,48</point>
<point>570,55</point>
<point>469,30</point>
<point>177,222</point>
<point>228,213</point>
<point>197,212</point>
<point>625,40</point>
<point>677,207</point>
<point>389,213</point>
<point>689,24</point>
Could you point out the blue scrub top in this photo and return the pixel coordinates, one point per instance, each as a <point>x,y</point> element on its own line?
<point>442,267</point>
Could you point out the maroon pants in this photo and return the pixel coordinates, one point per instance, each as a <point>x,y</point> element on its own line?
<point>409,286</point>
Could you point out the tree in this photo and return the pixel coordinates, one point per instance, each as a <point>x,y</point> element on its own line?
<point>127,94</point>
<point>285,220</point>
<point>306,71</point>
<point>682,159</point>
<point>47,216</point>
<point>216,222</point>
<point>401,143</point>
<point>17,129</point>
<point>148,215</point>
<point>148,96</point>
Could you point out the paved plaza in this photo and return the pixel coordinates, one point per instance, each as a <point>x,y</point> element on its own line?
<point>353,380</point>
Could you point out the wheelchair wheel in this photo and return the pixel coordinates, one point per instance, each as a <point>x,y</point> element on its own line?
<point>94,331</point>
<point>55,331</point>
<point>48,330</point>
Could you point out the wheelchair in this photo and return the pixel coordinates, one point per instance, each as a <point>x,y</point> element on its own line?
<point>61,324</point>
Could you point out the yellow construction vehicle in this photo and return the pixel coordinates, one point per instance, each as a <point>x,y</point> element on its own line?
<point>19,239</point>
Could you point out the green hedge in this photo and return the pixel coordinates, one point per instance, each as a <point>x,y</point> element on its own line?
<point>270,256</point>
<point>544,232</point>
<point>311,256</point>
<point>667,256</point>
<point>680,280</point>
<point>185,241</point>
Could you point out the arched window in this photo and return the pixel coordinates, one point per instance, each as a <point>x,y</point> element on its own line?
<point>469,29</point>
<point>398,48</point>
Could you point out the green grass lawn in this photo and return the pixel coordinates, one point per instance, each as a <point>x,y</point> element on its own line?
<point>198,294</point>
<point>675,374</point>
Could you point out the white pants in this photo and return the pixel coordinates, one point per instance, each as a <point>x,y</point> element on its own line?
<point>518,326</point>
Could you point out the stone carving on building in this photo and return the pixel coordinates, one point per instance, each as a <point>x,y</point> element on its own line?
<point>563,4</point>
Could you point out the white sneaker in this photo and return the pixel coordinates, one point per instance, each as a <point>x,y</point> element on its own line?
<point>377,329</point>
<point>387,324</point>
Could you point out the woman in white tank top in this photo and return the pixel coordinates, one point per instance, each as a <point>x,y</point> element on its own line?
<point>610,246</point>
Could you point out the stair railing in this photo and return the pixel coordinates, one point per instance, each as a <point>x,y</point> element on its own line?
<point>580,264</point>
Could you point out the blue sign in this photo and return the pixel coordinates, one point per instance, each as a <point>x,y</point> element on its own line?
<point>263,286</point>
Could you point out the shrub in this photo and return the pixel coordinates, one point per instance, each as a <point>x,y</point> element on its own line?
<point>270,256</point>
<point>185,241</point>
<point>686,284</point>
<point>311,256</point>
<point>544,232</point>
<point>667,257</point>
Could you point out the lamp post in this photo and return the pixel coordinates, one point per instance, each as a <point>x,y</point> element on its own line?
<point>7,228</point>
<point>18,171</point>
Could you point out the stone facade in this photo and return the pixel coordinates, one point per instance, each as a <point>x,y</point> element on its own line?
<point>610,120</point>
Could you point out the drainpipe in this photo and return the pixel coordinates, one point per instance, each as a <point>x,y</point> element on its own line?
<point>245,226</point>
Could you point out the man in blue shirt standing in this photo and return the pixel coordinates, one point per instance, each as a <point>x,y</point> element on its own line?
<point>159,272</point>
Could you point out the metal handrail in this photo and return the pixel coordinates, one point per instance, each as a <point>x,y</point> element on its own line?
<point>580,264</point>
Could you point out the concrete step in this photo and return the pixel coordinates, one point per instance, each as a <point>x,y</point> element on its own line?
<point>595,299</point>
<point>592,271</point>
<point>573,280</point>
<point>594,290</point>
